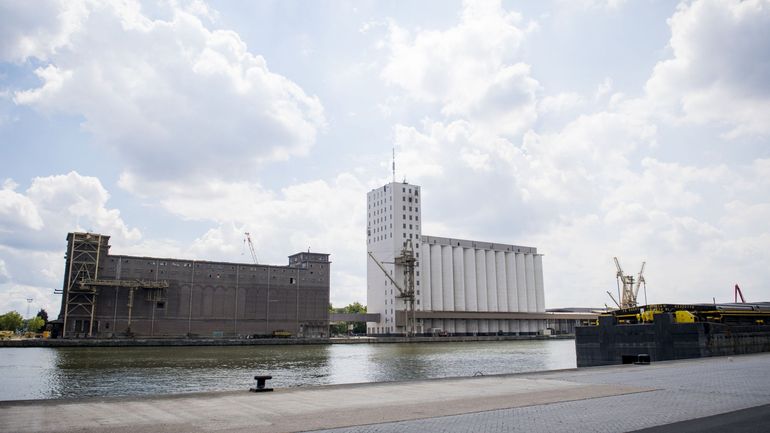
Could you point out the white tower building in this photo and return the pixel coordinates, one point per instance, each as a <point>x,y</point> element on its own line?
<point>462,287</point>
<point>393,216</point>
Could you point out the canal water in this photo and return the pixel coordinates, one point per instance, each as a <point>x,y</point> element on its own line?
<point>45,373</point>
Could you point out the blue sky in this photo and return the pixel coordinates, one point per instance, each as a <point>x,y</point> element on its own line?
<point>589,129</point>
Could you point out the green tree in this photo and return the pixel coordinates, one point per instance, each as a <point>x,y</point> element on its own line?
<point>35,324</point>
<point>342,327</point>
<point>355,307</point>
<point>43,315</point>
<point>11,321</point>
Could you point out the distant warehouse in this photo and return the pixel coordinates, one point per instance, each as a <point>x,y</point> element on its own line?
<point>108,295</point>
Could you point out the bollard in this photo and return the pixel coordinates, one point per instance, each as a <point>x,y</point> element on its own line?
<point>261,384</point>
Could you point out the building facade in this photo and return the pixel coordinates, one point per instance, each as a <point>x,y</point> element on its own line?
<point>462,287</point>
<point>106,295</point>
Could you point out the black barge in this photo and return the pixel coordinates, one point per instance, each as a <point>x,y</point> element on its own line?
<point>668,331</point>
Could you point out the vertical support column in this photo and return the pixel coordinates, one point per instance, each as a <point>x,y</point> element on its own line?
<point>539,286</point>
<point>481,280</point>
<point>513,296</point>
<point>471,297</point>
<point>531,292</point>
<point>521,286</point>
<point>502,292</point>
<point>447,278</point>
<point>469,262</point>
<point>481,288</point>
<point>531,297</point>
<point>427,305</point>
<point>436,284</point>
<point>491,274</point>
<point>491,289</point>
<point>458,268</point>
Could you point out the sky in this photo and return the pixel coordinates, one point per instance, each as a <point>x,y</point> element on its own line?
<point>586,128</point>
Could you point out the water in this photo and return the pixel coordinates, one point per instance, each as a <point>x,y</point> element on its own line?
<point>43,373</point>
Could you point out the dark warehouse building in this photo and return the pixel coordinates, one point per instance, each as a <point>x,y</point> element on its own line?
<point>108,295</point>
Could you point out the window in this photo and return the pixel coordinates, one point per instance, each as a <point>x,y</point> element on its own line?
<point>410,227</point>
<point>404,216</point>
<point>404,225</point>
<point>160,305</point>
<point>404,235</point>
<point>291,280</point>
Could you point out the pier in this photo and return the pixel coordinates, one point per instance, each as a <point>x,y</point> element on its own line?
<point>611,398</point>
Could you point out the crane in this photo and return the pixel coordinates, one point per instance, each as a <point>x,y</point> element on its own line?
<point>631,287</point>
<point>739,293</point>
<point>247,239</point>
<point>407,260</point>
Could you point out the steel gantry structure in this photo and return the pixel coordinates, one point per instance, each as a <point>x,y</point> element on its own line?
<point>82,282</point>
<point>407,262</point>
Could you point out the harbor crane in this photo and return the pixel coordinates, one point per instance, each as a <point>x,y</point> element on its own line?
<point>631,287</point>
<point>407,261</point>
<point>739,293</point>
<point>247,239</point>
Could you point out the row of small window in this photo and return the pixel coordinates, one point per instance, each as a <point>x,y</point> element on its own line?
<point>416,227</point>
<point>416,209</point>
<point>379,203</point>
<point>409,199</point>
<point>416,191</point>
<point>379,211</point>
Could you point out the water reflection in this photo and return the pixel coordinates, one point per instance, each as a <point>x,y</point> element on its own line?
<point>37,373</point>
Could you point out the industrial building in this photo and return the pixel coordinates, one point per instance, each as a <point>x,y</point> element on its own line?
<point>107,295</point>
<point>460,287</point>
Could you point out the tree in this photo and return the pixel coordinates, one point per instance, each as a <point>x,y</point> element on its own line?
<point>11,321</point>
<point>34,324</point>
<point>43,315</point>
<point>342,327</point>
<point>355,307</point>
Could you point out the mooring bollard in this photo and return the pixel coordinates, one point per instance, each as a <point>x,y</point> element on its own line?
<point>261,384</point>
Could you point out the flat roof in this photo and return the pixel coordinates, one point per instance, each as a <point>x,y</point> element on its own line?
<point>484,245</point>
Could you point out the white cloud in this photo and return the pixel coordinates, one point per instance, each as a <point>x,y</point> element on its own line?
<point>471,70</point>
<point>17,210</point>
<point>326,216</point>
<point>173,98</point>
<point>32,233</point>
<point>719,72</point>
<point>4,275</point>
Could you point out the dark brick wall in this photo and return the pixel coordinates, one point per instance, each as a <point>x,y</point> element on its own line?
<point>213,298</point>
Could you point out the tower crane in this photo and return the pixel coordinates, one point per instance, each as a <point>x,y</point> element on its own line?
<point>407,261</point>
<point>247,239</point>
<point>631,287</point>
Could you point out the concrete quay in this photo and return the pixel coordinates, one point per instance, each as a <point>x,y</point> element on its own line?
<point>160,342</point>
<point>597,399</point>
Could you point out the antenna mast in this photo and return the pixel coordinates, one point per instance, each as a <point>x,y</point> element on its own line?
<point>394,164</point>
